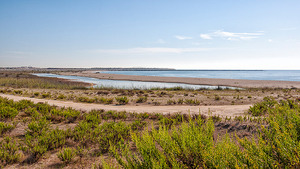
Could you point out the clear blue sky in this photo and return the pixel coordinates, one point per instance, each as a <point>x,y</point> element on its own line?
<point>215,34</point>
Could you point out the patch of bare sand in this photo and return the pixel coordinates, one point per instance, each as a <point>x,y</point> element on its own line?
<point>196,81</point>
<point>224,110</point>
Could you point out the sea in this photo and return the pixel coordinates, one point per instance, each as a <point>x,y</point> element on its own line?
<point>281,75</point>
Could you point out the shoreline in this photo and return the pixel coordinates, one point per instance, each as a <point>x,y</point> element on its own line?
<point>241,83</point>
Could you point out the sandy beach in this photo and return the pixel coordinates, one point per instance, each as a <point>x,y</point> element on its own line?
<point>195,81</point>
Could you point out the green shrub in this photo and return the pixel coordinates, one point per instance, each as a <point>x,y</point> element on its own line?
<point>4,127</point>
<point>262,108</point>
<point>7,112</point>
<point>141,99</point>
<point>9,151</point>
<point>61,96</point>
<point>180,101</point>
<point>111,134</point>
<point>170,102</point>
<point>37,127</point>
<point>46,95</point>
<point>39,144</point>
<point>192,102</point>
<point>93,117</point>
<point>217,97</point>
<point>192,144</point>
<point>86,99</point>
<point>67,154</point>
<point>18,92</point>
<point>23,104</point>
<point>138,125</point>
<point>105,100</point>
<point>119,115</point>
<point>122,100</point>
<point>63,114</point>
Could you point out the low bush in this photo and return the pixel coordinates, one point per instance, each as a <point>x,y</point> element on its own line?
<point>46,95</point>
<point>170,102</point>
<point>111,134</point>
<point>180,101</point>
<point>9,151</point>
<point>66,155</point>
<point>193,145</point>
<point>7,112</point>
<point>262,108</point>
<point>4,127</point>
<point>36,94</point>
<point>141,99</point>
<point>122,100</point>
<point>192,102</point>
<point>86,99</point>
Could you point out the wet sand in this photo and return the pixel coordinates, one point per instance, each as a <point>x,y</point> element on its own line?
<point>195,81</point>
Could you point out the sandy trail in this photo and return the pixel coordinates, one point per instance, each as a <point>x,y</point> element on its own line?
<point>224,110</point>
<point>188,80</point>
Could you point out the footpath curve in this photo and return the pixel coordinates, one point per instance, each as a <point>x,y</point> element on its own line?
<point>222,110</point>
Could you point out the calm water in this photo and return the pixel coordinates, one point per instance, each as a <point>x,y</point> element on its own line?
<point>122,84</point>
<point>284,75</point>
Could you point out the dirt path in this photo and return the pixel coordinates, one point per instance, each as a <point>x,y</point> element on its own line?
<point>227,110</point>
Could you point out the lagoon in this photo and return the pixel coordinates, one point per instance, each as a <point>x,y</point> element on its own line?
<point>123,84</point>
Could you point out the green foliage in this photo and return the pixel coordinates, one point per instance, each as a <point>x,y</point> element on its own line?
<point>263,107</point>
<point>161,148</point>
<point>66,155</point>
<point>45,95</point>
<point>9,151</point>
<point>192,101</point>
<point>217,97</point>
<point>41,83</point>
<point>7,112</point>
<point>122,100</point>
<point>138,125</point>
<point>192,144</point>
<point>111,134</point>
<point>141,99</point>
<point>63,114</point>
<point>4,127</point>
<point>37,127</point>
<point>46,140</point>
<point>170,102</point>
<point>93,117</point>
<point>86,99</point>
<point>61,96</point>
<point>18,91</point>
<point>180,101</point>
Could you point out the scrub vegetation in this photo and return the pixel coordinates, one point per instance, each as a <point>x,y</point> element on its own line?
<point>30,133</point>
<point>38,135</point>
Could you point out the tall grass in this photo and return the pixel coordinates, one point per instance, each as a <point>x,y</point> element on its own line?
<point>41,83</point>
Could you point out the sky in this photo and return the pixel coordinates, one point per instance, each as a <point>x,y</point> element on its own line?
<point>181,34</point>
